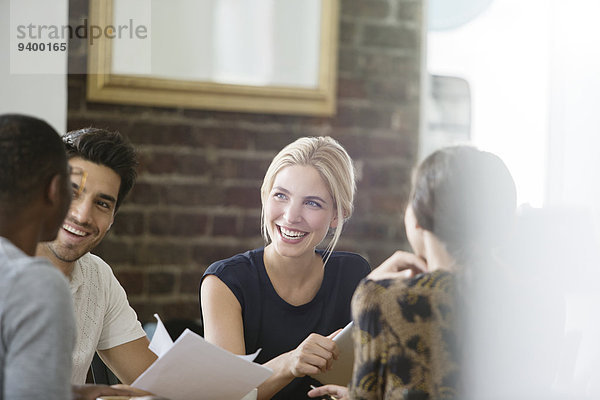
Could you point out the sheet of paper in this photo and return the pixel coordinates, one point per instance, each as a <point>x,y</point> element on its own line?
<point>161,340</point>
<point>193,369</point>
<point>341,371</point>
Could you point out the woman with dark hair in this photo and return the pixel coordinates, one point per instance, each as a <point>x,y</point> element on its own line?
<point>407,342</point>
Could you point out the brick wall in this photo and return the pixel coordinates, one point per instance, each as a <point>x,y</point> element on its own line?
<point>197,198</point>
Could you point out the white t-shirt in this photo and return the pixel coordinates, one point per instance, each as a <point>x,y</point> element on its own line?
<point>103,316</point>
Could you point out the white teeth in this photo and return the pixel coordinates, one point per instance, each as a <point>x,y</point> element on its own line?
<point>291,234</point>
<point>73,230</point>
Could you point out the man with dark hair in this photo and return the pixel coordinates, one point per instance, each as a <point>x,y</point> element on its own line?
<point>37,329</point>
<point>105,321</point>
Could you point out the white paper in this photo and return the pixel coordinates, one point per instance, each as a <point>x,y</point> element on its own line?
<point>161,340</point>
<point>193,369</point>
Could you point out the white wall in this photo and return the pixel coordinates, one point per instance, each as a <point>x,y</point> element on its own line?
<point>43,95</point>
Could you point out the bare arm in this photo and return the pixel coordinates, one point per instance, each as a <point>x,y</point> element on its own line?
<point>223,326</point>
<point>400,265</point>
<point>222,316</point>
<point>128,360</point>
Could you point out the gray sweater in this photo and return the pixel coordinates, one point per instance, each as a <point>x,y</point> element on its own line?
<point>37,329</point>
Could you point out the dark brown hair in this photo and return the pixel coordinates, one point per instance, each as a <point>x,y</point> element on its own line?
<point>107,148</point>
<point>467,198</point>
<point>31,153</point>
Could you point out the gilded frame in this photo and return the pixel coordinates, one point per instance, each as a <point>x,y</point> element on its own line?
<point>104,86</point>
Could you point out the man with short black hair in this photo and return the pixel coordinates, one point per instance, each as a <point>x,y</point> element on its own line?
<point>37,330</point>
<point>105,321</point>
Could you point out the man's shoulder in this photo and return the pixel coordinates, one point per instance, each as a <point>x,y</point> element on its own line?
<point>16,265</point>
<point>37,275</point>
<point>92,263</point>
<point>93,272</point>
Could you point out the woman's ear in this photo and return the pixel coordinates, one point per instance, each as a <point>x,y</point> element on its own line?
<point>334,222</point>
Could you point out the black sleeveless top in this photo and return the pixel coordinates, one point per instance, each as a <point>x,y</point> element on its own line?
<point>275,326</point>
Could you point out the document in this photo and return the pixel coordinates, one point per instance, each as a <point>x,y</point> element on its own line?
<point>341,370</point>
<point>193,369</point>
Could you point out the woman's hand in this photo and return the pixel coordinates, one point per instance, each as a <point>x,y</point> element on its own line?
<point>315,354</point>
<point>91,392</point>
<point>132,390</point>
<point>400,265</point>
<point>340,392</point>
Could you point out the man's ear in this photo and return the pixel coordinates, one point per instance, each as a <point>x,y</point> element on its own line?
<point>54,190</point>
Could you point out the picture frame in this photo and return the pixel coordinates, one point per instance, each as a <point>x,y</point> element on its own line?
<point>105,85</point>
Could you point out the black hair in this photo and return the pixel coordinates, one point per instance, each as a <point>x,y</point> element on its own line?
<point>467,198</point>
<point>107,148</point>
<point>31,153</point>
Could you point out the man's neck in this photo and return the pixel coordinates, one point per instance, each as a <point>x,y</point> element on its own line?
<point>20,233</point>
<point>65,267</point>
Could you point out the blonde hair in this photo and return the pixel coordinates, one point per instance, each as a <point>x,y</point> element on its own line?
<point>335,167</point>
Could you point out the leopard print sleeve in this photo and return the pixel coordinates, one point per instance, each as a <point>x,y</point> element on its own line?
<point>405,339</point>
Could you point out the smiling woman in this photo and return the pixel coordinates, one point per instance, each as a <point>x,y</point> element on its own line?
<point>288,298</point>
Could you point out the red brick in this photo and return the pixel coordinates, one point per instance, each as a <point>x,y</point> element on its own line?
<point>146,193</point>
<point>114,251</point>
<point>351,88</point>
<point>204,255</point>
<point>162,253</point>
<point>190,281</point>
<point>146,132</point>
<point>239,168</point>
<point>241,196</point>
<point>348,32</point>
<point>391,90</point>
<point>178,224</point>
<point>364,117</point>
<point>132,281</point>
<point>251,226</point>
<point>192,194</point>
<point>159,163</point>
<point>274,141</point>
<point>376,9</point>
<point>128,223</point>
<point>394,37</point>
<point>161,283</point>
<point>224,225</point>
<point>388,202</point>
<point>182,309</point>
<point>410,11</point>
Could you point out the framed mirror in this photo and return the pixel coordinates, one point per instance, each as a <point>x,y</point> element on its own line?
<point>260,56</point>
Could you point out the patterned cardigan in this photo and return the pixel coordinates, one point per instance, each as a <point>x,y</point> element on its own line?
<point>406,340</point>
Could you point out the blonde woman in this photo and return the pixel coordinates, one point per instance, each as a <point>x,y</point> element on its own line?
<point>290,298</point>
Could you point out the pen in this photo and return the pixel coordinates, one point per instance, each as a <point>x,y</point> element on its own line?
<point>329,396</point>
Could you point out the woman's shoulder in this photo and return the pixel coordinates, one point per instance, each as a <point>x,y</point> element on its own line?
<point>437,282</point>
<point>346,258</point>
<point>239,262</point>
